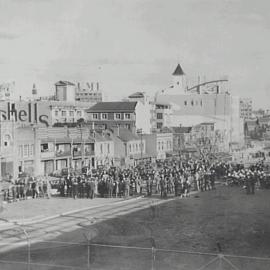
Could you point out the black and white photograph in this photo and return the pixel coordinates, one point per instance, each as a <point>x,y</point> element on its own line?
<point>134,135</point>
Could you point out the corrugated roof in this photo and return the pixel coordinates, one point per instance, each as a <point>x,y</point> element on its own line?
<point>178,71</point>
<point>137,94</point>
<point>60,83</point>
<point>181,129</point>
<point>113,106</point>
<point>126,135</point>
<point>102,138</point>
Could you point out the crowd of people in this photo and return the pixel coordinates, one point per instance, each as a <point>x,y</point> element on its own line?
<point>168,177</point>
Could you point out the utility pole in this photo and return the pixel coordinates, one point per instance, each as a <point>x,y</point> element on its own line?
<point>139,131</point>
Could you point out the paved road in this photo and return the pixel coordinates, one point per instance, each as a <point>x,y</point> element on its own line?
<point>49,229</point>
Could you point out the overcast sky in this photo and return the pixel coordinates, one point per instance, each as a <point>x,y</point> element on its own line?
<point>134,45</point>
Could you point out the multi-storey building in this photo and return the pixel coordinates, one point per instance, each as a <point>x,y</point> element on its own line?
<point>89,93</point>
<point>245,108</point>
<point>43,113</point>
<point>70,92</point>
<point>129,148</point>
<point>181,138</point>
<point>67,112</point>
<point>7,138</point>
<point>159,145</point>
<point>65,91</point>
<point>161,116</point>
<point>124,114</point>
<point>104,149</point>
<point>206,102</point>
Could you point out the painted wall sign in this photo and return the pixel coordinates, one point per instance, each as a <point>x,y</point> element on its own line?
<point>29,115</point>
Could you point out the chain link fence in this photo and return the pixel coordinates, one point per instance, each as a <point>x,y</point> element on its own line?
<point>48,255</point>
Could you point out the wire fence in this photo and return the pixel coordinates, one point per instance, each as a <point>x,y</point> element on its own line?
<point>48,255</point>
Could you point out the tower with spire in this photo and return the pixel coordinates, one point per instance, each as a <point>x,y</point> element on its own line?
<point>179,80</point>
<point>34,92</point>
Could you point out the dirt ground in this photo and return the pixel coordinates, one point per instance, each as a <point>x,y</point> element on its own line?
<point>225,221</point>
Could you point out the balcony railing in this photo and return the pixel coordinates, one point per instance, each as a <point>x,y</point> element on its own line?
<point>47,154</point>
<point>89,152</point>
<point>77,153</point>
<point>62,153</point>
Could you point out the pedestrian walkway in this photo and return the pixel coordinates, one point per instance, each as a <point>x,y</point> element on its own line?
<point>29,211</point>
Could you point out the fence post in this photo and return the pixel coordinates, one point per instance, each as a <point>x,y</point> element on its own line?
<point>88,237</point>
<point>28,249</point>
<point>153,258</point>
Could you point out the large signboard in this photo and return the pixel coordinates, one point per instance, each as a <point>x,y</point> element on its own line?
<point>28,114</point>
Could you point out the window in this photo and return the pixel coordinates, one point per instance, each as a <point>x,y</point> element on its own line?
<point>192,102</point>
<point>158,145</point>
<point>64,113</point>
<point>127,115</point>
<point>118,116</point>
<point>130,148</point>
<point>31,150</point>
<point>185,103</point>
<point>56,113</point>
<point>201,102</point>
<point>44,147</point>
<point>108,148</point>
<point>79,113</point>
<point>95,116</point>
<point>162,145</point>
<point>104,116</point>
<point>7,140</point>
<point>159,115</point>
<point>101,148</point>
<point>159,125</point>
<point>26,150</point>
<point>20,151</point>
<point>71,113</point>
<point>127,126</point>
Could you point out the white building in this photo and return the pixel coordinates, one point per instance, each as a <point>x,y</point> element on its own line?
<point>203,103</point>
<point>65,91</point>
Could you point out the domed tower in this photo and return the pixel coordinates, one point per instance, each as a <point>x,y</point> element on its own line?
<point>179,80</point>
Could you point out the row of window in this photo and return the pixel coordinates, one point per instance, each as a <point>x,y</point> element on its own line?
<point>192,103</point>
<point>104,147</point>
<point>117,116</point>
<point>165,145</point>
<point>26,150</point>
<point>71,113</point>
<point>136,148</point>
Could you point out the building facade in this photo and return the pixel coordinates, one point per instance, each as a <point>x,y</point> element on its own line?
<point>159,145</point>
<point>124,114</point>
<point>246,108</point>
<point>89,93</point>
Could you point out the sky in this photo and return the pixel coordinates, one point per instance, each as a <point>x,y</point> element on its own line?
<point>134,45</point>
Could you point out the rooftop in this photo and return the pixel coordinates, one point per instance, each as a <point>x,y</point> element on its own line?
<point>118,106</point>
<point>178,71</point>
<point>63,83</point>
<point>137,95</point>
<point>126,135</point>
<point>181,129</point>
